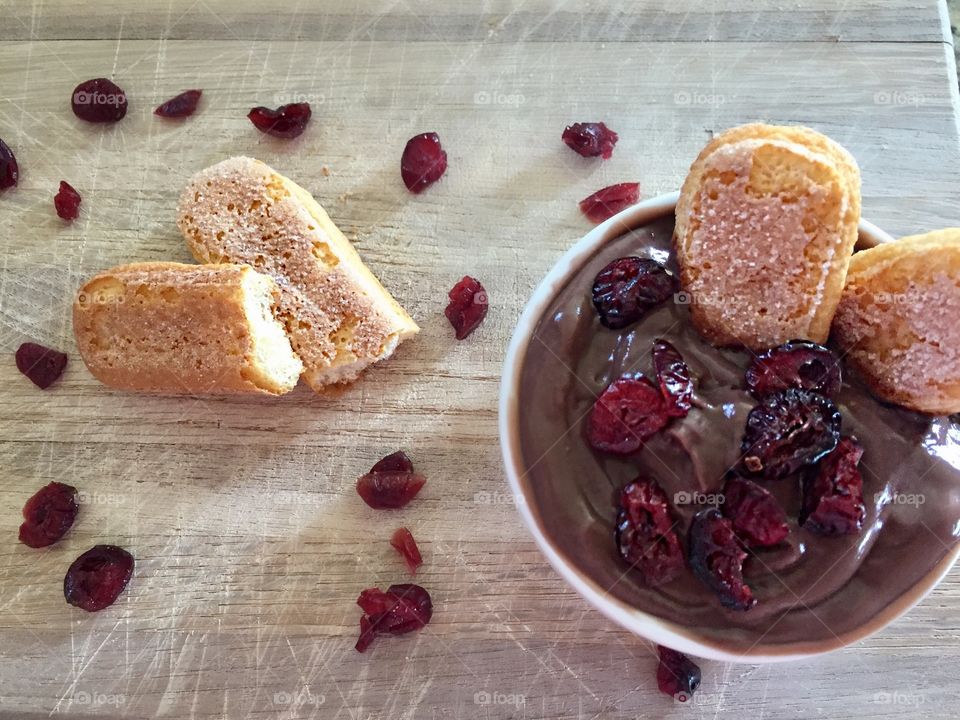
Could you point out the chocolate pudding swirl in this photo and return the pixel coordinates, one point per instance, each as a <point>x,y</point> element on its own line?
<point>812,589</point>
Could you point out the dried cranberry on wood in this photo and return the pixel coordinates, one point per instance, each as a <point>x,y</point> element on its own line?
<point>591,139</point>
<point>67,201</point>
<point>468,306</point>
<point>9,170</point>
<point>180,106</point>
<point>96,578</point>
<point>49,514</point>
<point>99,101</point>
<point>401,609</point>
<point>287,121</point>
<point>391,482</point>
<point>395,462</point>
<point>677,675</point>
<point>403,543</point>
<point>41,364</point>
<point>607,202</point>
<point>389,490</point>
<point>423,162</point>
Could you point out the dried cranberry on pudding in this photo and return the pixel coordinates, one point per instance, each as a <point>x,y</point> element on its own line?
<point>626,414</point>
<point>716,558</point>
<point>758,520</point>
<point>673,375</point>
<point>797,364</point>
<point>646,533</point>
<point>833,492</point>
<point>787,432</point>
<point>627,288</point>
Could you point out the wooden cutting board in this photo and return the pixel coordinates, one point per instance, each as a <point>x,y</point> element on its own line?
<point>251,544</point>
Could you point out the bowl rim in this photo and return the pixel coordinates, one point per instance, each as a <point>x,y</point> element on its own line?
<point>651,627</point>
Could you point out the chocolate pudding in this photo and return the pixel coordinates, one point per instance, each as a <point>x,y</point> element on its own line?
<point>811,590</point>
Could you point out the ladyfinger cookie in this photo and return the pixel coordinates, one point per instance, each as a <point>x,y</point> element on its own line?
<point>766,223</point>
<point>338,316</point>
<point>184,329</point>
<point>899,320</point>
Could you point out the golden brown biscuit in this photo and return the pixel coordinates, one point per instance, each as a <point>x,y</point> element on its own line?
<point>339,317</point>
<point>184,329</point>
<point>899,320</point>
<point>766,223</point>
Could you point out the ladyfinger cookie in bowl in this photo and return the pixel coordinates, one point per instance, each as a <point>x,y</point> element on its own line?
<point>339,318</point>
<point>765,226</point>
<point>899,320</point>
<point>175,329</point>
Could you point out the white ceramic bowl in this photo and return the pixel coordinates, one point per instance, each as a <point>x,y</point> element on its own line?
<point>649,626</point>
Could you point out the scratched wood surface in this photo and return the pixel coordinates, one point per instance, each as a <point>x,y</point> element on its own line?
<point>251,544</point>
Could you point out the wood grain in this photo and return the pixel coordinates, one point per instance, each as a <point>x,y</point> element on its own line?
<point>250,541</point>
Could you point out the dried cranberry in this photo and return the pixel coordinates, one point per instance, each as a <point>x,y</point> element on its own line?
<point>645,533</point>
<point>401,609</point>
<point>410,610</point>
<point>397,462</point>
<point>183,105</point>
<point>96,578</point>
<point>423,162</point>
<point>626,414</point>
<point>67,201</point>
<point>716,558</point>
<point>628,287</point>
<point>590,139</point>
<point>404,544</point>
<point>99,101</point>
<point>375,601</point>
<point>41,364</point>
<point>788,431</point>
<point>9,170</point>
<point>674,378</point>
<point>756,515</point>
<point>367,634</point>
<point>468,306</point>
<point>833,493</point>
<point>677,675</point>
<point>48,515</point>
<point>393,490</point>
<point>608,201</point>
<point>797,364</point>
<point>287,121</point>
